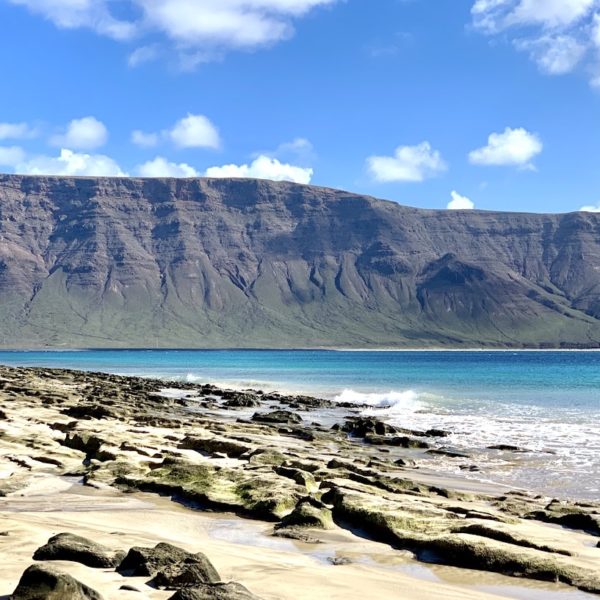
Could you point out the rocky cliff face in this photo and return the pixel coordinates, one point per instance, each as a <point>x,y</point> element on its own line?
<point>101,262</point>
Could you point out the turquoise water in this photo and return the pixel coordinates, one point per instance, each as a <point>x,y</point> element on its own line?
<point>546,402</point>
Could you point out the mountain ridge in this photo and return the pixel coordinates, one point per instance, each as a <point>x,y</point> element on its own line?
<point>225,263</point>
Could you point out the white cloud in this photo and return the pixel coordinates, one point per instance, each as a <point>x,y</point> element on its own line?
<point>71,163</point>
<point>264,167</point>
<point>143,54</point>
<point>194,27</point>
<point>11,156</point>
<point>299,151</point>
<point>74,14</point>
<point>559,35</point>
<point>513,147</point>
<point>82,134</point>
<point>17,131</point>
<point>554,54</point>
<point>161,167</point>
<point>409,163</point>
<point>195,131</point>
<point>459,202</point>
<point>144,140</point>
<point>590,208</point>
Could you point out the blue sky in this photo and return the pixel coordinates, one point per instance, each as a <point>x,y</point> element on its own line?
<point>491,103</point>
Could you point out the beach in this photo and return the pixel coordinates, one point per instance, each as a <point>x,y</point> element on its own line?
<point>277,497</point>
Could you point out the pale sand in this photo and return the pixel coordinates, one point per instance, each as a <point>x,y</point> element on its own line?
<point>240,550</point>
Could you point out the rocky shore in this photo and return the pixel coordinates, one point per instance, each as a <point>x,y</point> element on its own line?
<point>268,457</point>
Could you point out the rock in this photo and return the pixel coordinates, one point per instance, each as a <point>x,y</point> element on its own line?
<point>64,427</point>
<point>222,591</point>
<point>337,561</point>
<point>168,562</point>
<point>258,494</point>
<point>298,432</point>
<point>569,516</point>
<point>301,477</point>
<point>399,441</point>
<point>67,546</point>
<point>297,534</point>
<point>239,400</point>
<point>311,402</point>
<point>129,588</point>
<point>3,415</point>
<point>91,411</point>
<point>428,532</point>
<point>190,573</point>
<point>266,456</point>
<point>84,442</point>
<point>509,538</point>
<point>308,513</point>
<point>46,583</point>
<point>361,426</point>
<point>507,448</point>
<point>437,433</point>
<point>278,417</point>
<point>214,446</point>
<point>448,453</point>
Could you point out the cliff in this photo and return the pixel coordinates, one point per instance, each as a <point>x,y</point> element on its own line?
<point>103,262</point>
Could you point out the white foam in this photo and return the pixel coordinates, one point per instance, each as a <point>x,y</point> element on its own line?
<point>391,403</point>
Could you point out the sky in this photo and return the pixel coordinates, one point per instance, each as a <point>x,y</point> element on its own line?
<point>449,104</point>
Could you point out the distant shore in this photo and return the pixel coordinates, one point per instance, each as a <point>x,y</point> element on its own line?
<point>307,487</point>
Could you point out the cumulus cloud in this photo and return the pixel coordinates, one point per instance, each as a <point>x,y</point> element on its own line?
<point>409,163</point>
<point>459,202</point>
<point>591,208</point>
<point>82,134</point>
<point>161,167</point>
<point>194,27</point>
<point>11,156</point>
<point>144,140</point>
<point>70,163</point>
<point>195,131</point>
<point>513,147</point>
<point>558,35</point>
<point>17,131</point>
<point>264,167</point>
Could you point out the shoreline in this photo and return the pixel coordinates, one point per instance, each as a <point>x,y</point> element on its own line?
<point>294,349</point>
<point>262,456</point>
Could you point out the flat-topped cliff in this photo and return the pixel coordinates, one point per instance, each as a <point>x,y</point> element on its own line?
<point>118,262</point>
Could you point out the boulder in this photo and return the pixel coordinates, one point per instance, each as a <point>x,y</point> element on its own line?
<point>189,573</point>
<point>221,591</point>
<point>67,546</point>
<point>46,583</point>
<point>168,562</point>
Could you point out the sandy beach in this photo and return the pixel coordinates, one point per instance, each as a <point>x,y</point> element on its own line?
<point>95,456</point>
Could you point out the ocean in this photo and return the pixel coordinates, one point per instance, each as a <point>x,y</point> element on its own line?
<point>544,402</point>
